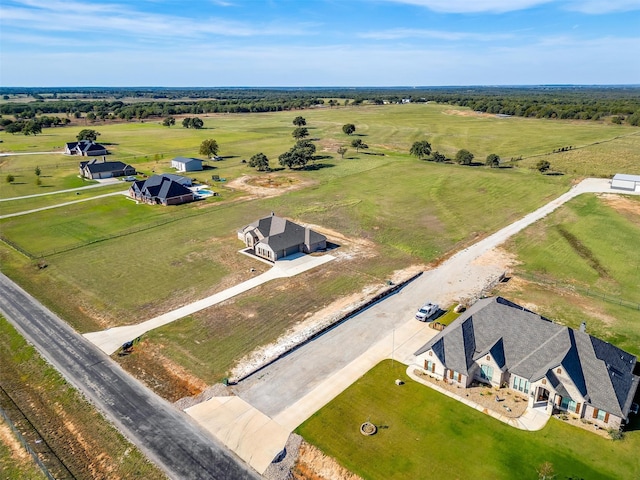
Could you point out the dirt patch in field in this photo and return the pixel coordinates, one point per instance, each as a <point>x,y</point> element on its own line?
<point>159,373</point>
<point>625,206</point>
<point>268,185</point>
<point>467,113</point>
<point>312,464</point>
<point>18,452</point>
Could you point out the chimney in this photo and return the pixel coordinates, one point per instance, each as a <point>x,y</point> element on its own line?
<point>583,327</point>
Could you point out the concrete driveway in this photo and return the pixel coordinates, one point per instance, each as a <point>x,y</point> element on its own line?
<point>290,390</point>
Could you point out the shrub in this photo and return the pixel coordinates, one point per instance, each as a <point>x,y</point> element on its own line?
<point>615,434</point>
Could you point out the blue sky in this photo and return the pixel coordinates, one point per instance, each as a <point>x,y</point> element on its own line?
<point>318,42</point>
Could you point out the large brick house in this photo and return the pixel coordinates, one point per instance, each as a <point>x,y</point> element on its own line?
<point>561,369</point>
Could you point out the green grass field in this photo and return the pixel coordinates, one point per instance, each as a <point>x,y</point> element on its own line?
<point>424,434</point>
<point>586,244</point>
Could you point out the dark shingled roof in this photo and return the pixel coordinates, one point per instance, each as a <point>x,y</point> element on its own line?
<point>531,347</point>
<point>281,234</point>
<point>99,166</point>
<point>160,186</point>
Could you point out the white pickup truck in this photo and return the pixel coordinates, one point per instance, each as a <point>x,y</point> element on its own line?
<point>427,311</point>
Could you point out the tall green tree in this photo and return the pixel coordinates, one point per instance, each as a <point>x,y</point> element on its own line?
<point>168,122</point>
<point>349,128</point>
<point>186,122</point>
<point>358,144</point>
<point>299,121</point>
<point>88,134</point>
<point>543,166</point>
<point>209,147</point>
<point>37,171</point>
<point>464,157</point>
<point>420,149</point>
<point>341,151</point>
<point>260,162</point>
<point>196,123</point>
<point>300,133</point>
<point>493,160</point>
<point>32,127</point>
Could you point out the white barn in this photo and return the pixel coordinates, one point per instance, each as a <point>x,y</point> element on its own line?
<point>183,164</point>
<point>622,181</point>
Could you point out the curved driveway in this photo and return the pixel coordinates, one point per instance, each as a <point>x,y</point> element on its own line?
<point>165,435</point>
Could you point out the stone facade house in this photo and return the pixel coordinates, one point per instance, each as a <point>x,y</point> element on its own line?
<point>274,237</point>
<point>558,368</point>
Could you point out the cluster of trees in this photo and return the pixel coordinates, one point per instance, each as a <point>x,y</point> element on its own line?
<point>622,104</point>
<point>422,150</point>
<point>192,122</point>
<point>32,126</point>
<point>299,155</point>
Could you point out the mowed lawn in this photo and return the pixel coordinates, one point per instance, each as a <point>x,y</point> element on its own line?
<point>590,243</point>
<point>424,434</point>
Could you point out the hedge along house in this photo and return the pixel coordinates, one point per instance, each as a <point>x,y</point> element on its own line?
<point>559,369</point>
<point>274,237</point>
<point>622,181</point>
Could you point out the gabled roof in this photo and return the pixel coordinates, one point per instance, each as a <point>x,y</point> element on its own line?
<point>625,177</point>
<point>186,160</point>
<point>100,166</point>
<point>85,146</point>
<point>532,347</point>
<point>281,234</point>
<point>160,186</point>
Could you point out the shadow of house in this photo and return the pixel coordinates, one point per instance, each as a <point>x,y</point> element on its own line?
<point>97,169</point>
<point>560,369</point>
<point>161,190</point>
<point>274,237</point>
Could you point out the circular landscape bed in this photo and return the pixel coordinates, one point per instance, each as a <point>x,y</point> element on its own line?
<point>368,428</point>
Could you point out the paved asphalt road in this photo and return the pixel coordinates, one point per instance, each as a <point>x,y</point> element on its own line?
<point>168,437</point>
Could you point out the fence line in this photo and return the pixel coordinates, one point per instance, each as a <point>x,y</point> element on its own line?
<point>26,445</point>
<point>585,291</point>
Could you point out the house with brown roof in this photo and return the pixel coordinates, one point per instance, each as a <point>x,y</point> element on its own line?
<point>558,368</point>
<point>274,237</point>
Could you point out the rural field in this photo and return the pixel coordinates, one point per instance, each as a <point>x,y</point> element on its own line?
<point>67,422</point>
<point>421,430</point>
<point>121,263</point>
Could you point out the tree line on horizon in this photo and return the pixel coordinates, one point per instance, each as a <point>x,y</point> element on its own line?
<point>622,104</point>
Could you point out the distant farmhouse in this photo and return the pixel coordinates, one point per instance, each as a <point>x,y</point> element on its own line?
<point>85,148</point>
<point>97,169</point>
<point>163,189</point>
<point>184,164</point>
<point>274,237</point>
<point>559,369</point>
<point>626,182</point>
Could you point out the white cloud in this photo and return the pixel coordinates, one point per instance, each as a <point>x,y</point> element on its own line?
<point>474,6</point>
<point>119,19</point>
<point>597,7</point>
<point>400,33</point>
